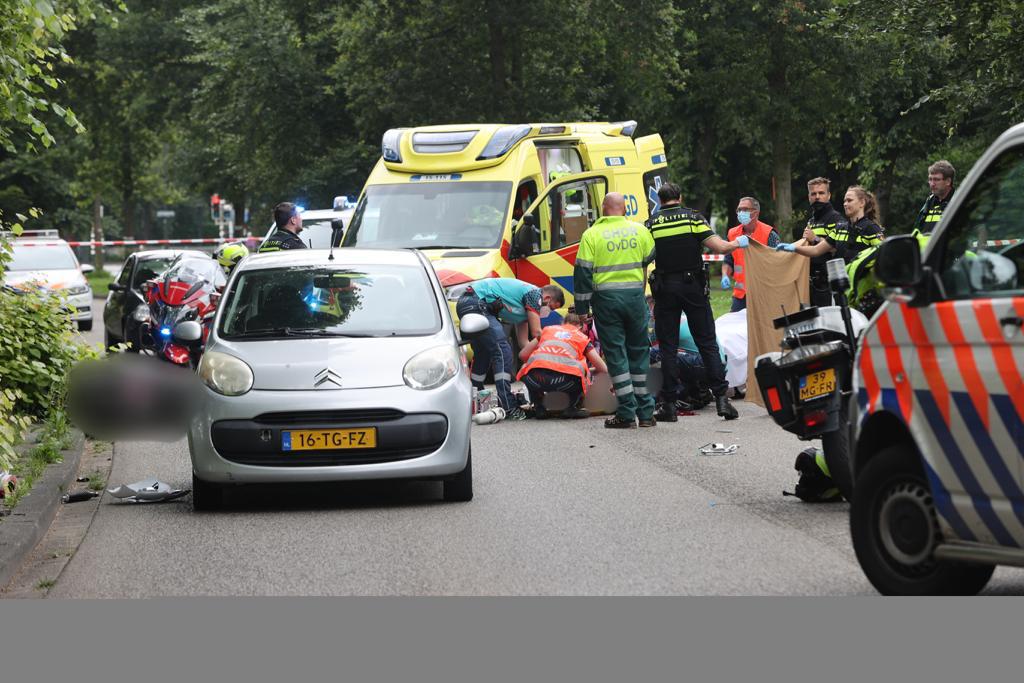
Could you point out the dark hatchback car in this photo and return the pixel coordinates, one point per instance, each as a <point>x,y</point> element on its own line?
<point>126,306</point>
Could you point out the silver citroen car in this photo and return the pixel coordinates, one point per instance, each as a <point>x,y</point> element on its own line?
<point>332,367</point>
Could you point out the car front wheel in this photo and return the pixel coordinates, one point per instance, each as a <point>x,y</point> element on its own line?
<point>207,496</point>
<point>459,489</point>
<point>895,531</point>
<point>84,325</point>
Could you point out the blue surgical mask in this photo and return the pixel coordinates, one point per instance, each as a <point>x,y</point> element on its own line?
<point>744,216</point>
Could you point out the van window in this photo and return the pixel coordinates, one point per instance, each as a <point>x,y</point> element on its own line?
<point>556,162</point>
<point>525,195</point>
<point>983,250</point>
<point>568,210</point>
<point>424,215</point>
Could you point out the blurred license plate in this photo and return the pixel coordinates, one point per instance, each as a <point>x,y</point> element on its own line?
<point>818,384</point>
<point>328,439</point>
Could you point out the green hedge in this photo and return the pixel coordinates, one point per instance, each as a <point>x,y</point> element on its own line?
<point>38,350</point>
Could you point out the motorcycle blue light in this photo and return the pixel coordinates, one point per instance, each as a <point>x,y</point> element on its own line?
<point>165,332</point>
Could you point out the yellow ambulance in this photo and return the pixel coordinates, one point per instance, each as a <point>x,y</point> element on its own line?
<point>495,200</point>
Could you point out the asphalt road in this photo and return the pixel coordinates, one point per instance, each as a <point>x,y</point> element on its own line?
<point>560,508</point>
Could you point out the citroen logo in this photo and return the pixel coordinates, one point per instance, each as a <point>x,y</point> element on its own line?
<point>326,375</point>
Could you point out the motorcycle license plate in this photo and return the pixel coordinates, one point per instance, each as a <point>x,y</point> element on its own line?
<point>817,384</point>
<point>328,439</point>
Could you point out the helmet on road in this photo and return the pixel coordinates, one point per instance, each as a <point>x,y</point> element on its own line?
<point>228,255</point>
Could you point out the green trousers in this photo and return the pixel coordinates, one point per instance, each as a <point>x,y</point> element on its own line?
<point>621,317</point>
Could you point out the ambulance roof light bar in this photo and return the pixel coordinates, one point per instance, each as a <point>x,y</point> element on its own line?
<point>390,145</point>
<point>503,140</point>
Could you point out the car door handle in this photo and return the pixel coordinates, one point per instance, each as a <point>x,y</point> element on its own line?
<point>1016,322</point>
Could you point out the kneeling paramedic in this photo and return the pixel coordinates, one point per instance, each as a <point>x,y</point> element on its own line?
<point>679,285</point>
<point>557,361</point>
<point>512,301</point>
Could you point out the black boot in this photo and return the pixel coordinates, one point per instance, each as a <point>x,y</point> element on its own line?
<point>725,408</point>
<point>616,422</point>
<point>666,412</point>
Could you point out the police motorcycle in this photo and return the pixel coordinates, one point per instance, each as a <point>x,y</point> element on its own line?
<point>807,386</point>
<point>181,303</point>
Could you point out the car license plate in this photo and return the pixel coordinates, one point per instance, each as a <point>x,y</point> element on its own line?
<point>328,439</point>
<point>818,384</point>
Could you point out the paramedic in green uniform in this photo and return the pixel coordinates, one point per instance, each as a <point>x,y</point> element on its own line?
<point>609,278</point>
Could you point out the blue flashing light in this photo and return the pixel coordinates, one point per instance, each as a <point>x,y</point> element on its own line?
<point>300,209</point>
<point>165,332</point>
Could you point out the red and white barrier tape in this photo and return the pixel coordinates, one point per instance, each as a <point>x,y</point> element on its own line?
<point>126,243</point>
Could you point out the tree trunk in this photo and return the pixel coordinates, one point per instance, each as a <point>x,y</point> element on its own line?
<point>782,171</point>
<point>97,232</point>
<point>499,75</point>
<point>705,159</point>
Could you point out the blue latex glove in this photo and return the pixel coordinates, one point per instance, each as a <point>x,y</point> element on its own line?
<point>725,282</point>
<point>784,246</point>
<point>743,241</point>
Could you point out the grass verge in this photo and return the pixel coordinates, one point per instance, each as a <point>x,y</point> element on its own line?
<point>98,280</point>
<point>56,437</point>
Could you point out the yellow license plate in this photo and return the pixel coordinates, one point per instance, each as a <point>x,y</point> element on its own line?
<point>328,439</point>
<point>818,384</point>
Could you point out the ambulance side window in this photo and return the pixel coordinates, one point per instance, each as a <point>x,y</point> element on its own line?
<point>573,207</point>
<point>526,194</point>
<point>983,249</point>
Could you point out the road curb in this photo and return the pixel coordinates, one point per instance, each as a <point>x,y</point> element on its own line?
<point>31,518</point>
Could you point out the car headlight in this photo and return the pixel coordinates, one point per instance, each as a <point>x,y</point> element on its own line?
<point>79,289</point>
<point>431,368</point>
<point>141,313</point>
<point>225,374</point>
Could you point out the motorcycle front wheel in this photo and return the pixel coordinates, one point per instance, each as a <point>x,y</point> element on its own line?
<point>836,447</point>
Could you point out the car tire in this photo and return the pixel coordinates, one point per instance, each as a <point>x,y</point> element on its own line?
<point>459,489</point>
<point>84,325</point>
<point>836,448</point>
<point>895,530</point>
<point>207,496</point>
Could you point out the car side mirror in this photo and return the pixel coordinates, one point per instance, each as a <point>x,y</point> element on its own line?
<point>86,268</point>
<point>114,287</point>
<point>188,331</point>
<point>337,231</point>
<point>898,263</point>
<point>523,238</point>
<point>472,325</point>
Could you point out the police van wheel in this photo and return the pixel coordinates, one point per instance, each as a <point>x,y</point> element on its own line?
<point>836,447</point>
<point>895,531</point>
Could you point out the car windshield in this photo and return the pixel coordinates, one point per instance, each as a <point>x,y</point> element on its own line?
<point>422,215</point>
<point>149,269</point>
<point>192,269</point>
<point>42,257</point>
<point>363,301</point>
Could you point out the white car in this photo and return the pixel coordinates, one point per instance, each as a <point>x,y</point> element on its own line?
<point>332,370</point>
<point>41,259</point>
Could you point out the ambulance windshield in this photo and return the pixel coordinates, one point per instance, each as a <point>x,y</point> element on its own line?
<point>425,215</point>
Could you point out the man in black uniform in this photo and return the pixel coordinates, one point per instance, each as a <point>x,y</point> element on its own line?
<point>940,182</point>
<point>824,225</point>
<point>679,286</point>
<point>288,222</point>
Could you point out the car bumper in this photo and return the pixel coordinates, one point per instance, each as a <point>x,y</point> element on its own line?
<point>420,434</point>
<point>82,306</point>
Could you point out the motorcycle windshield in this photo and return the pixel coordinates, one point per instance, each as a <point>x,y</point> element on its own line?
<point>189,279</point>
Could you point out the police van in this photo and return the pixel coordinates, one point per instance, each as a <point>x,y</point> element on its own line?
<point>938,453</point>
<point>494,200</point>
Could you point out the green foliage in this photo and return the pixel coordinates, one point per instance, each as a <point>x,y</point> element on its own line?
<point>98,280</point>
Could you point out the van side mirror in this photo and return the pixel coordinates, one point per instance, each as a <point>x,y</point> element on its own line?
<point>337,231</point>
<point>524,237</point>
<point>472,325</point>
<point>86,268</point>
<point>898,263</point>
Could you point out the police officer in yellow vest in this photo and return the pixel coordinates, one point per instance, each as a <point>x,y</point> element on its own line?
<point>610,279</point>
<point>679,286</point>
<point>940,182</point>
<point>288,222</point>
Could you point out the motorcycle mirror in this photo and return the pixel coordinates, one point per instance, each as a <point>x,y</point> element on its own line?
<point>188,331</point>
<point>337,230</point>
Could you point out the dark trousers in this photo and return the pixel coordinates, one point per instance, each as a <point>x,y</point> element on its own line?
<point>738,304</point>
<point>542,381</point>
<point>679,294</point>
<point>820,293</point>
<point>490,350</point>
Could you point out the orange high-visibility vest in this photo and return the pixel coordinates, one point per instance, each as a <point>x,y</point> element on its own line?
<point>561,348</point>
<point>739,274</point>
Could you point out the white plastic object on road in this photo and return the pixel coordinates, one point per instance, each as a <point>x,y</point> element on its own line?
<point>491,416</point>
<point>718,449</point>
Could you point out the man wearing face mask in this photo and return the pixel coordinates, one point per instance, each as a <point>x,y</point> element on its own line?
<point>825,224</point>
<point>748,211</point>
